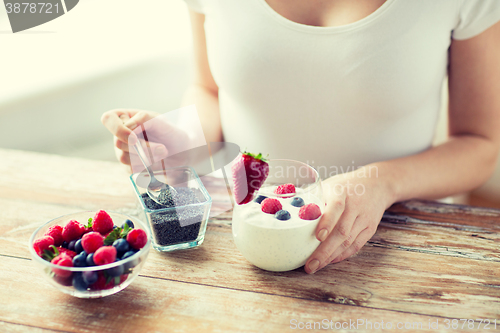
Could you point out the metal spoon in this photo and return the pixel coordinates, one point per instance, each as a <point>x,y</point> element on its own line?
<point>155,186</point>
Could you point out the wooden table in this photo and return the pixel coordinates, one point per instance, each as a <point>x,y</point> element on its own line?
<point>428,262</point>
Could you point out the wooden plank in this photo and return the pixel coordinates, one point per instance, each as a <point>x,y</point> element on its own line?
<point>455,215</point>
<point>159,305</point>
<point>21,328</point>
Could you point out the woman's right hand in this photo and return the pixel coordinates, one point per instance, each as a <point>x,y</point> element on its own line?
<point>163,137</point>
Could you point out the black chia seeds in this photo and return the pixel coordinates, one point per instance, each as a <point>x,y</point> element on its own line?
<point>178,225</point>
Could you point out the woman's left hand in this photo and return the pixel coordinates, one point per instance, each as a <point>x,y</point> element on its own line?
<point>355,203</point>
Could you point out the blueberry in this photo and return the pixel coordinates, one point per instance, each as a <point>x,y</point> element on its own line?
<point>297,202</point>
<point>260,198</point>
<point>116,271</point>
<point>282,215</point>
<point>121,245</point>
<point>65,244</point>
<point>71,245</point>
<point>90,260</point>
<point>131,263</point>
<point>80,260</point>
<point>79,283</point>
<point>89,277</point>
<point>130,224</point>
<point>128,254</point>
<point>78,246</point>
<point>115,226</point>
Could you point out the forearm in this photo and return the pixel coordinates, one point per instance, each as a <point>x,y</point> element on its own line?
<point>207,104</point>
<point>459,165</point>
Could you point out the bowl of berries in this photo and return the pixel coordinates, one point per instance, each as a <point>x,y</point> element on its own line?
<point>91,254</point>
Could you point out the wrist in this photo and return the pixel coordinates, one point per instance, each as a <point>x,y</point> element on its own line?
<point>381,178</point>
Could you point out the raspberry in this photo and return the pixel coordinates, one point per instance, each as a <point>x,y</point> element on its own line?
<point>42,243</point>
<point>137,238</point>
<point>271,206</point>
<point>285,189</point>
<point>73,230</point>
<point>55,232</point>
<point>102,222</point>
<point>62,260</point>
<point>105,255</point>
<point>309,212</point>
<point>92,241</point>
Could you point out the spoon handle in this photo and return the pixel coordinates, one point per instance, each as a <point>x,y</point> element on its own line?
<point>143,157</point>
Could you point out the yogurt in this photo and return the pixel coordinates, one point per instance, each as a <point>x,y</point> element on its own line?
<point>272,244</point>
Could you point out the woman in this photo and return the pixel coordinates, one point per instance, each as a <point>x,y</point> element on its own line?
<point>344,83</point>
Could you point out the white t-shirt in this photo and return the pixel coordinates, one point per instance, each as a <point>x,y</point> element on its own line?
<point>335,97</point>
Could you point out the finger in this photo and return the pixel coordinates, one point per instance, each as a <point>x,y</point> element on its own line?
<point>358,243</point>
<point>122,156</point>
<point>121,145</point>
<point>153,150</point>
<point>333,211</point>
<point>114,124</point>
<point>340,233</point>
<point>124,117</point>
<point>358,226</point>
<point>140,118</point>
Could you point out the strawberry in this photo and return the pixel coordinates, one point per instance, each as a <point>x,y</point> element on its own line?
<point>72,230</point>
<point>55,232</point>
<point>309,212</point>
<point>102,222</point>
<point>285,189</point>
<point>69,253</point>
<point>104,282</point>
<point>271,206</point>
<point>43,243</point>
<point>249,173</point>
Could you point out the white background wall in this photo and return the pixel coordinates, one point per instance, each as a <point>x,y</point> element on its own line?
<point>57,79</point>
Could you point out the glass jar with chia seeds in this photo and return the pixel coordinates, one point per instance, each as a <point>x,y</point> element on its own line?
<point>180,222</point>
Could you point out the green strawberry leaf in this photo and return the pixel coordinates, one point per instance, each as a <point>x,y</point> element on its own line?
<point>258,156</point>
<point>49,255</point>
<point>89,225</point>
<point>125,231</point>
<point>108,277</point>
<point>113,235</point>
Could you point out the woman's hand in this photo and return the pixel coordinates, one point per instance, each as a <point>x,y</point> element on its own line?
<point>355,203</point>
<point>163,138</point>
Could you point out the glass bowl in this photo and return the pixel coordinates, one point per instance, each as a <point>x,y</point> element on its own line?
<point>273,244</point>
<point>182,226</point>
<point>123,271</point>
